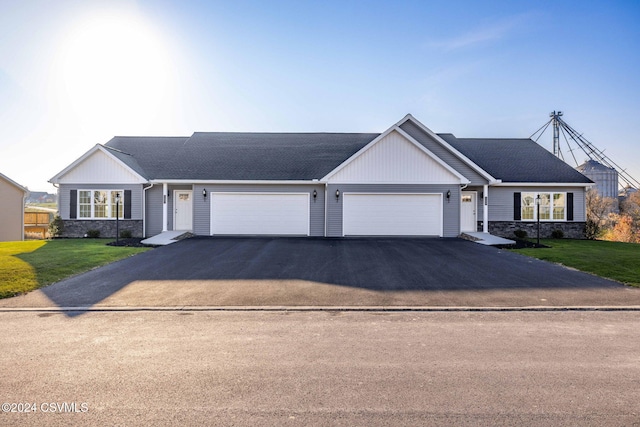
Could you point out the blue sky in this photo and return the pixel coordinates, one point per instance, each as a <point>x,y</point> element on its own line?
<point>76,73</point>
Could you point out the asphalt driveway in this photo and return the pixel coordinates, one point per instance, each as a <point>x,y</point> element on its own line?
<point>329,272</point>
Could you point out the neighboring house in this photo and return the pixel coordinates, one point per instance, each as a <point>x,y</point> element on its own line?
<point>12,197</point>
<point>406,181</point>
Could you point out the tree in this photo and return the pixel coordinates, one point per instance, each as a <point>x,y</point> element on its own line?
<point>598,213</point>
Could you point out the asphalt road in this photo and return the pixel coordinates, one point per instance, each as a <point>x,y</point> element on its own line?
<point>322,368</point>
<point>329,272</point>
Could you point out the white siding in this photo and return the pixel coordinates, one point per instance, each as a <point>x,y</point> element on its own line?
<point>99,168</point>
<point>394,159</point>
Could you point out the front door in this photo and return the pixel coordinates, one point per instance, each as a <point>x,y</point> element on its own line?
<point>182,210</point>
<point>468,207</point>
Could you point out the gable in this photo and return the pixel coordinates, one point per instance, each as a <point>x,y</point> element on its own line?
<point>99,168</point>
<point>394,158</point>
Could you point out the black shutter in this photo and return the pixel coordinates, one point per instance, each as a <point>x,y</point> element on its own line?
<point>569,206</point>
<point>127,204</point>
<point>517,206</point>
<point>73,204</point>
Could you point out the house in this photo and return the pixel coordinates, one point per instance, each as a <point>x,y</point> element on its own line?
<point>12,197</point>
<point>406,181</point>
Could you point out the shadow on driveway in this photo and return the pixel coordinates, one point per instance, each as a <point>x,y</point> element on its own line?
<point>280,271</point>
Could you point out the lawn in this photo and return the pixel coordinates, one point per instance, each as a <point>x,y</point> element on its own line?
<point>613,260</point>
<point>29,265</point>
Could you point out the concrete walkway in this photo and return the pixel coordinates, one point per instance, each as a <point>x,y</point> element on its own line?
<point>164,238</point>
<point>487,239</point>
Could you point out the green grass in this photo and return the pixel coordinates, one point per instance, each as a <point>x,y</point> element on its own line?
<point>613,260</point>
<point>29,265</point>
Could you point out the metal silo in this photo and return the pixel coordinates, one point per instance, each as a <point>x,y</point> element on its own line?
<point>606,178</point>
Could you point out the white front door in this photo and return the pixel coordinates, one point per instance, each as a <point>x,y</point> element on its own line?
<point>182,210</point>
<point>468,214</point>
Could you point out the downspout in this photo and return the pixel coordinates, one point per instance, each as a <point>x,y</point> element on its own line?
<point>165,189</point>
<point>485,210</point>
<point>144,209</point>
<point>325,208</point>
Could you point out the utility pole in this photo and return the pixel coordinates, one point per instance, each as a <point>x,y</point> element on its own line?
<point>556,131</point>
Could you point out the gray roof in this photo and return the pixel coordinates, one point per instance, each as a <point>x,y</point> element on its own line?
<point>307,156</point>
<point>515,160</point>
<point>239,156</point>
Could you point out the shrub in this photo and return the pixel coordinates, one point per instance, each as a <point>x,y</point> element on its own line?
<point>126,234</point>
<point>520,234</point>
<point>56,226</point>
<point>93,234</point>
<point>557,234</point>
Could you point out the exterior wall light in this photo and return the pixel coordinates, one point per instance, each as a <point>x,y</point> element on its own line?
<point>448,196</point>
<point>204,193</point>
<point>315,194</point>
<point>337,194</point>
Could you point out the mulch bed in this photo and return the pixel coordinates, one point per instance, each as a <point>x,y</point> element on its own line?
<point>521,244</point>
<point>132,242</point>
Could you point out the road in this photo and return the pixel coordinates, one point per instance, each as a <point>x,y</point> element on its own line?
<point>322,368</point>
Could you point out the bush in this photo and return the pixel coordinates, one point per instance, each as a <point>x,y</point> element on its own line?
<point>520,234</point>
<point>126,234</point>
<point>56,226</point>
<point>93,234</point>
<point>557,234</point>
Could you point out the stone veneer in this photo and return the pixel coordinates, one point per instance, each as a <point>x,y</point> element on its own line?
<point>78,228</point>
<point>571,230</point>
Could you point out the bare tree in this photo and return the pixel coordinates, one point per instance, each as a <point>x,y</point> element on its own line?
<point>598,213</point>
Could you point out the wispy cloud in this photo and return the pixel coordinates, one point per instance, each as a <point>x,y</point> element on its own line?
<point>479,36</point>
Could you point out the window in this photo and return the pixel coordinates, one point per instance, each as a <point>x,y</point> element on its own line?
<point>100,204</point>
<point>552,206</point>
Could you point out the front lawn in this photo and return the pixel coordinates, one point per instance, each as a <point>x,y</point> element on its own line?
<point>613,260</point>
<point>29,265</point>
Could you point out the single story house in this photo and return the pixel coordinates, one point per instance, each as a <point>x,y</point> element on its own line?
<point>12,198</point>
<point>406,181</point>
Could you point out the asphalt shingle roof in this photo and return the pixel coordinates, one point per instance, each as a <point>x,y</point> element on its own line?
<point>240,156</point>
<point>515,160</point>
<point>307,156</point>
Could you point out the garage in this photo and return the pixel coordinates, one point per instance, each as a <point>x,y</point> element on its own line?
<point>375,214</point>
<point>260,213</point>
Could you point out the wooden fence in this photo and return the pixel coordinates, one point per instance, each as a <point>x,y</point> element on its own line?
<point>37,222</point>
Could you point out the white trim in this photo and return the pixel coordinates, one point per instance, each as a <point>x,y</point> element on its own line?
<point>543,184</point>
<point>377,193</point>
<point>395,128</point>
<point>165,207</point>
<point>535,207</point>
<point>108,204</point>
<point>448,146</point>
<point>98,147</point>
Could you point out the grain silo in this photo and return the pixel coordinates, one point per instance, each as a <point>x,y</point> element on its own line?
<point>606,178</point>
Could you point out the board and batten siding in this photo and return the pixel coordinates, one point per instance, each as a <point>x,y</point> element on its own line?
<point>501,201</point>
<point>451,208</point>
<point>394,159</point>
<point>202,208</point>
<point>439,150</point>
<point>64,196</point>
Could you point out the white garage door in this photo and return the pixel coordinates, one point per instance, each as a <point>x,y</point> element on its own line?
<point>392,214</point>
<point>260,213</point>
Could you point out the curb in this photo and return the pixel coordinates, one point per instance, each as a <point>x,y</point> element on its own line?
<point>318,309</point>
